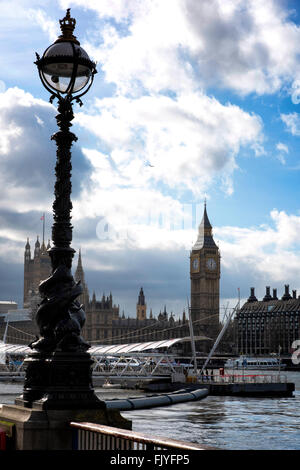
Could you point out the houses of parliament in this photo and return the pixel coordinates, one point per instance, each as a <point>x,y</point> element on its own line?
<point>104,322</point>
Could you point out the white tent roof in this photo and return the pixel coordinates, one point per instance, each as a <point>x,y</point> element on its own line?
<point>14,349</point>
<point>138,347</point>
<point>100,350</point>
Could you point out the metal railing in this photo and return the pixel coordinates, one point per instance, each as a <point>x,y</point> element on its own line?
<point>90,436</point>
<point>138,364</point>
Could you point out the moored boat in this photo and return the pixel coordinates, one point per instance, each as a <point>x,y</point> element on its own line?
<point>254,363</point>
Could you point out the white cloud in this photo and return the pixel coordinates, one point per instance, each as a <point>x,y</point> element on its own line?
<point>246,45</point>
<point>295,91</point>
<point>271,253</point>
<point>139,218</point>
<point>108,8</point>
<point>292,122</point>
<point>49,26</point>
<point>283,151</point>
<point>21,155</point>
<point>22,24</point>
<point>2,86</point>
<point>27,155</point>
<point>282,147</point>
<point>189,141</point>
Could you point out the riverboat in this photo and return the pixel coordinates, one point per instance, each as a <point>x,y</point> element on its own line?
<point>254,363</point>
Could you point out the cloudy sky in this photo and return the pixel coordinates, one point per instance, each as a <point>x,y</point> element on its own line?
<point>192,100</point>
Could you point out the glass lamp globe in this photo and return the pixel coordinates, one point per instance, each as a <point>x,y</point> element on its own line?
<point>65,66</point>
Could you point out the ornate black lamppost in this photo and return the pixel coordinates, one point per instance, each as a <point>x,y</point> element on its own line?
<point>67,73</point>
<point>58,373</point>
<point>58,381</point>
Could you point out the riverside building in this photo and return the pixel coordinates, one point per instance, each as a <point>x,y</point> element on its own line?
<point>270,325</point>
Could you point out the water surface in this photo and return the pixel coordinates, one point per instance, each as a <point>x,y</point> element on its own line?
<point>233,423</point>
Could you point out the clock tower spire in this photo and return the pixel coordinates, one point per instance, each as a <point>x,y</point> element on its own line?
<point>205,280</point>
<point>141,306</point>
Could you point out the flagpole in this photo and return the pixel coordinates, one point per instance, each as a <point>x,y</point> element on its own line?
<point>43,228</point>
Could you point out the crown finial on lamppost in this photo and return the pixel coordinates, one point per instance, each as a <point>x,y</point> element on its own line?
<point>67,26</point>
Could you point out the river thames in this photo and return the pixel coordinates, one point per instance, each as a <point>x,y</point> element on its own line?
<point>221,422</point>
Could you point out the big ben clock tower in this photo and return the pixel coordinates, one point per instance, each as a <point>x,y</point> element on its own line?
<point>205,281</point>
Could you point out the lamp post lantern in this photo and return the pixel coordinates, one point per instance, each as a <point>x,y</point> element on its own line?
<point>65,68</point>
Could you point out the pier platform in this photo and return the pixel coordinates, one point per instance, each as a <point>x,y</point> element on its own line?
<point>234,385</point>
<point>250,389</point>
<point>230,389</point>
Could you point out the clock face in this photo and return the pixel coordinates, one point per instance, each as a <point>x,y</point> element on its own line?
<point>211,264</point>
<point>195,263</point>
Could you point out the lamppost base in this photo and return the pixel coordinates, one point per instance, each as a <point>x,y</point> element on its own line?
<point>57,390</point>
<point>36,429</point>
<point>59,381</point>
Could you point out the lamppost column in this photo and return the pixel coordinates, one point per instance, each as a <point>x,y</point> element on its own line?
<point>61,252</point>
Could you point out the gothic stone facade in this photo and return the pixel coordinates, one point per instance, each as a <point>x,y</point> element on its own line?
<point>36,269</point>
